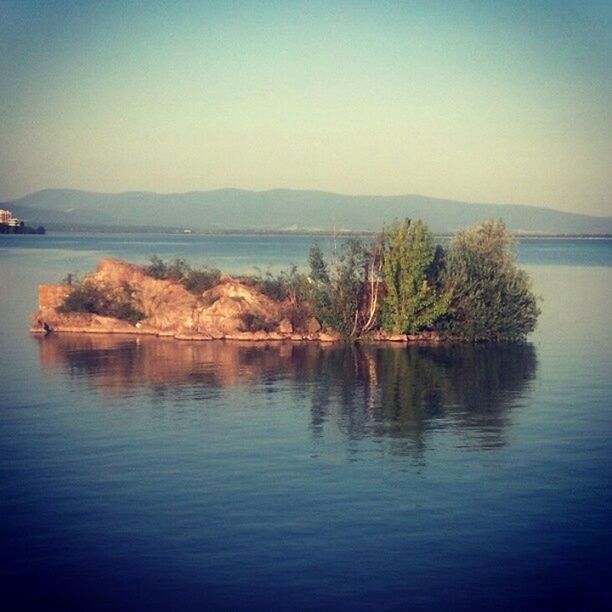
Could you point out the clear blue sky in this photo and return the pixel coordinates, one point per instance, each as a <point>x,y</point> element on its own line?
<point>495,101</point>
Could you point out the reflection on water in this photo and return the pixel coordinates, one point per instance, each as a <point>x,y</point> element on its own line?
<point>391,392</point>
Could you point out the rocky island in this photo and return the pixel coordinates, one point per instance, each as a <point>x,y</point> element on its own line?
<point>401,287</point>
<point>229,310</point>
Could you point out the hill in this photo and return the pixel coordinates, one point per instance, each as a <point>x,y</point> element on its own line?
<point>285,209</point>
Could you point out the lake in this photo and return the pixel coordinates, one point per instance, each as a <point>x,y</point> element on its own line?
<point>144,473</point>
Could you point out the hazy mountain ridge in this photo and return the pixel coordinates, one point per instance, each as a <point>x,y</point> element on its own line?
<point>278,209</point>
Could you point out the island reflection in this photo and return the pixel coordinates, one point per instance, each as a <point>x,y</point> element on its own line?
<point>364,391</point>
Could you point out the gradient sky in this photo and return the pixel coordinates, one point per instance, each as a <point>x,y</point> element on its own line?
<point>495,101</point>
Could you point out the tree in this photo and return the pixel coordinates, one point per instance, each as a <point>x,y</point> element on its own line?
<point>412,302</point>
<point>320,287</point>
<point>492,298</point>
<point>318,266</point>
<point>344,296</point>
<point>349,280</point>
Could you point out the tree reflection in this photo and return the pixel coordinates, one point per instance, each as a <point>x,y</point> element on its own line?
<point>395,393</point>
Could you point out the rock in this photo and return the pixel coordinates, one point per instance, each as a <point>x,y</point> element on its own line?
<point>276,336</point>
<point>425,336</point>
<point>52,296</point>
<point>285,327</point>
<point>329,335</point>
<point>312,326</point>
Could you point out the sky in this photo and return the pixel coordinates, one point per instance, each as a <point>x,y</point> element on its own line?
<point>497,101</point>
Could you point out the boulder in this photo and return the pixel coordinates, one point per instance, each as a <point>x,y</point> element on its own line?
<point>285,327</point>
<point>313,326</point>
<point>329,335</point>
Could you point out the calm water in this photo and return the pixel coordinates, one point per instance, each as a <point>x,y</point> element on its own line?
<point>146,473</point>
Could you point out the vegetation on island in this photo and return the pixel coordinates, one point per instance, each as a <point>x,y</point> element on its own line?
<point>196,280</point>
<point>402,282</point>
<point>102,299</point>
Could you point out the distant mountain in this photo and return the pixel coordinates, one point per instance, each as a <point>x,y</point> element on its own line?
<point>285,209</point>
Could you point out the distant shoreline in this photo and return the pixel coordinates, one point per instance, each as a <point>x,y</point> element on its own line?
<point>50,228</point>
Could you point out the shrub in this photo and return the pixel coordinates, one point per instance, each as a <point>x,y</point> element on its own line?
<point>100,299</point>
<point>253,323</point>
<point>412,301</point>
<point>157,268</point>
<point>298,314</point>
<point>176,269</point>
<point>337,292</point>
<point>195,280</point>
<point>491,298</point>
<point>272,286</point>
<point>286,285</point>
<point>198,281</point>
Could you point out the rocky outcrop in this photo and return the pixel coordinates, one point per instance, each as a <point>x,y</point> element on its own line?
<point>231,310</point>
<point>221,312</point>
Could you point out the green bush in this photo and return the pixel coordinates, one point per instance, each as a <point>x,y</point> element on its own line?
<point>272,286</point>
<point>337,292</point>
<point>195,280</point>
<point>198,281</point>
<point>100,299</point>
<point>286,285</point>
<point>175,269</point>
<point>491,298</point>
<point>412,302</point>
<point>157,268</point>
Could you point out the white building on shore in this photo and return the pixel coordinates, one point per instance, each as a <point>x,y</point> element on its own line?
<point>6,217</point>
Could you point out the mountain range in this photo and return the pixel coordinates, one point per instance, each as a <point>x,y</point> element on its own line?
<point>285,210</point>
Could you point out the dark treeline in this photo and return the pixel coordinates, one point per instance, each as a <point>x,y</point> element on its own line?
<point>21,229</point>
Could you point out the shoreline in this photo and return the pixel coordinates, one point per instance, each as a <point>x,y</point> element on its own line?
<point>116,327</point>
<point>198,233</point>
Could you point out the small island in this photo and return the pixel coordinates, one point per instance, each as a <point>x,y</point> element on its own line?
<point>400,287</point>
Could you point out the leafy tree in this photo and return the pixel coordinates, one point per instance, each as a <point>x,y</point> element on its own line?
<point>318,266</point>
<point>412,302</point>
<point>492,298</point>
<point>344,296</point>
<point>348,285</point>
<point>320,287</point>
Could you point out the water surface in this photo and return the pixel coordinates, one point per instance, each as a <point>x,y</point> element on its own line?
<point>152,473</point>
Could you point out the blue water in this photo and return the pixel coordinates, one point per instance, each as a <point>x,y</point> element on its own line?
<point>143,473</point>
